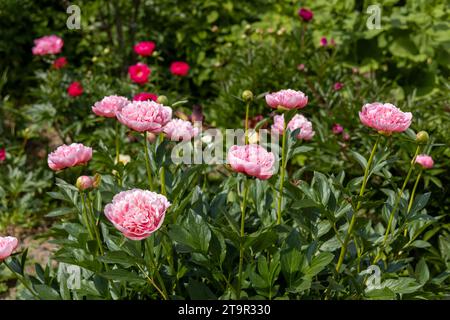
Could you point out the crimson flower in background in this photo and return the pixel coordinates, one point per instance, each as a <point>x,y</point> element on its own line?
<point>139,73</point>
<point>75,89</point>
<point>59,63</point>
<point>179,68</point>
<point>305,14</point>
<point>144,96</point>
<point>338,86</point>
<point>145,48</point>
<point>2,154</point>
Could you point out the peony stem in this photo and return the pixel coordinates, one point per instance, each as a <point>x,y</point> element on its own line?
<point>96,231</point>
<point>241,247</point>
<point>411,200</point>
<point>84,214</point>
<point>162,172</point>
<point>397,201</point>
<point>283,171</point>
<point>247,109</point>
<point>117,142</point>
<point>147,162</point>
<point>358,205</point>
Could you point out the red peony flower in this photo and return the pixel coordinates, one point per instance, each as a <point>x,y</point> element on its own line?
<point>139,73</point>
<point>2,154</point>
<point>144,96</point>
<point>75,89</point>
<point>145,48</point>
<point>179,68</point>
<point>305,14</point>
<point>59,63</point>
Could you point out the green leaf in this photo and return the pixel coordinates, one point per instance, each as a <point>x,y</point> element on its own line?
<point>119,257</point>
<point>318,263</point>
<point>123,275</point>
<point>199,291</point>
<point>422,272</point>
<point>60,212</point>
<point>380,294</point>
<point>290,265</point>
<point>402,285</point>
<point>361,160</point>
<point>46,293</point>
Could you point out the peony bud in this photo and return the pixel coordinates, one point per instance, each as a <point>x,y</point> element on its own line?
<point>84,183</point>
<point>163,100</point>
<point>247,95</point>
<point>422,137</point>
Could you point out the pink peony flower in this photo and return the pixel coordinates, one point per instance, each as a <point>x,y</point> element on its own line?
<point>7,246</point>
<point>108,106</point>
<point>145,48</point>
<point>251,159</point>
<point>305,14</point>
<point>338,86</point>
<point>178,130</point>
<point>298,121</point>
<point>144,96</point>
<point>323,41</point>
<point>385,118</point>
<point>75,89</point>
<point>179,68</point>
<point>145,116</point>
<point>287,99</point>
<point>59,63</point>
<point>67,156</point>
<point>47,45</point>
<point>139,73</point>
<point>337,128</point>
<point>425,161</point>
<point>2,154</point>
<point>137,213</point>
<point>84,182</point>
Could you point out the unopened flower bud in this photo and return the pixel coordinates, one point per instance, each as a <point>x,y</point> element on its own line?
<point>247,95</point>
<point>84,183</point>
<point>422,137</point>
<point>163,100</point>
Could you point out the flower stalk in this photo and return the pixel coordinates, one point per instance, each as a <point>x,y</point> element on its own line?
<point>147,162</point>
<point>241,247</point>
<point>358,206</point>
<point>283,172</point>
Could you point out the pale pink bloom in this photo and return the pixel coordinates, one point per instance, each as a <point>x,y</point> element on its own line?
<point>251,159</point>
<point>47,45</point>
<point>425,161</point>
<point>178,129</point>
<point>385,118</point>
<point>287,99</point>
<point>298,121</point>
<point>145,116</point>
<point>108,106</point>
<point>337,128</point>
<point>66,156</point>
<point>137,213</point>
<point>84,182</point>
<point>7,246</point>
